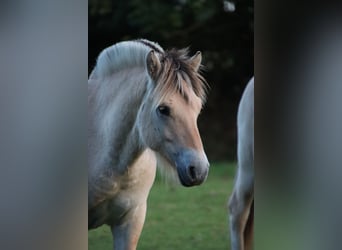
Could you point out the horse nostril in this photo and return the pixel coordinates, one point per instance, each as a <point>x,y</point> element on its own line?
<point>192,172</point>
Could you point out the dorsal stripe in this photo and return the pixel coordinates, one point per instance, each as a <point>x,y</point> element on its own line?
<point>149,44</point>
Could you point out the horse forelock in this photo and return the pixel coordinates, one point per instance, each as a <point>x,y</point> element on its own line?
<point>177,75</point>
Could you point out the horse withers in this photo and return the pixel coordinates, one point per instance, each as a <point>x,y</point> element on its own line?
<point>143,104</point>
<point>241,202</point>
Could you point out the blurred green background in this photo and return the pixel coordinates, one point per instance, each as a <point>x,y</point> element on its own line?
<point>222,30</point>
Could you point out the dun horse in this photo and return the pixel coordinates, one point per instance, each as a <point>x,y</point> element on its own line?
<point>241,203</point>
<point>143,104</point>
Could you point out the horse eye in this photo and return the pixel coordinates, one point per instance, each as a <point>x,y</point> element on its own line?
<point>163,110</point>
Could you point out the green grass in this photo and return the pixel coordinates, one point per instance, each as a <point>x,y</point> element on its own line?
<point>182,218</point>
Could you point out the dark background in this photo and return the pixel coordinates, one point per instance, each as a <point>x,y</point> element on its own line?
<point>222,30</point>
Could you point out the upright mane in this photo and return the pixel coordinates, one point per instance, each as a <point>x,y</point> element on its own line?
<point>123,55</point>
<point>177,73</point>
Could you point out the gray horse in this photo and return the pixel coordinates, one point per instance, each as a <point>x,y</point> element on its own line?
<point>143,104</point>
<point>241,202</point>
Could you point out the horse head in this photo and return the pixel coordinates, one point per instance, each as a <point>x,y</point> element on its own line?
<point>168,116</point>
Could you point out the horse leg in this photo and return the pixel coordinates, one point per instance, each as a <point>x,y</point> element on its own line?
<point>126,234</point>
<point>248,233</point>
<point>239,208</point>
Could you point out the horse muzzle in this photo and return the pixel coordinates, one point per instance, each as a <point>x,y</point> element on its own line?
<point>192,168</point>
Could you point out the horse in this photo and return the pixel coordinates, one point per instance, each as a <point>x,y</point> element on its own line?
<point>143,105</point>
<point>241,201</point>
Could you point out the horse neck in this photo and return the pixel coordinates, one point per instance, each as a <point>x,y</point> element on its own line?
<point>118,139</point>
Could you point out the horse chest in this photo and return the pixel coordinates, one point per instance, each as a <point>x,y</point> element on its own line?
<point>133,188</point>
<point>112,210</point>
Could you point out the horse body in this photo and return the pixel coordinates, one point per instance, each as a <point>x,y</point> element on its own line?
<point>241,203</point>
<point>135,106</point>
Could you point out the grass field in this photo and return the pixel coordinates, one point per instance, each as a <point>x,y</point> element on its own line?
<point>182,218</point>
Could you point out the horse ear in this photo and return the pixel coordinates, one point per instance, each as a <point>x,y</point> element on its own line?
<point>196,60</point>
<point>153,64</point>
